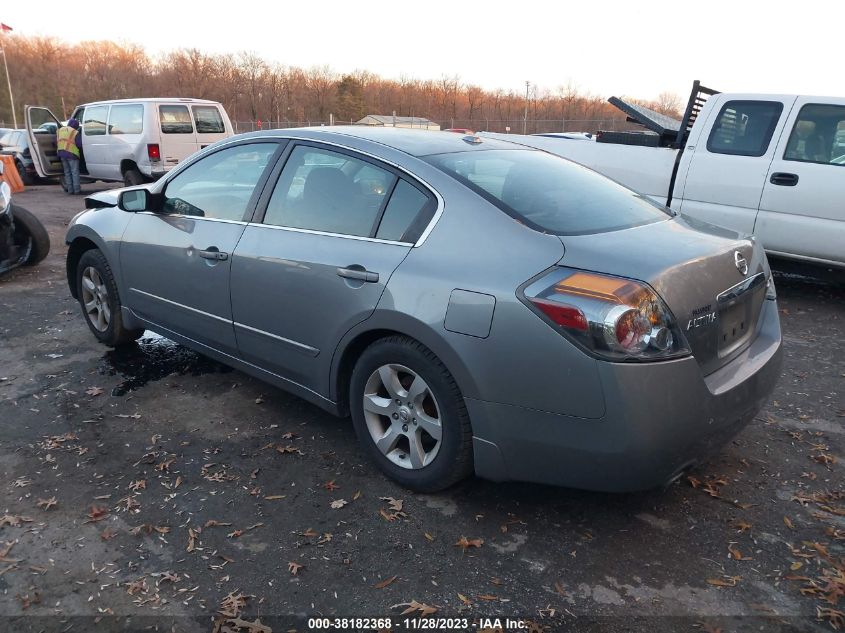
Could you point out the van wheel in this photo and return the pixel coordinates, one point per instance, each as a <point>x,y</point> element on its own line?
<point>410,416</point>
<point>101,307</point>
<point>132,177</point>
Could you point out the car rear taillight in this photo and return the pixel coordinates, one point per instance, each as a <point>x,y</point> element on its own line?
<point>153,151</point>
<point>614,317</point>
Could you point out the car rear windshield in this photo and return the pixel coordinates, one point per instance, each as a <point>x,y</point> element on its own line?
<point>548,193</point>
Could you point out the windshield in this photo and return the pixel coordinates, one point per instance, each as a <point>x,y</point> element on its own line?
<point>548,193</point>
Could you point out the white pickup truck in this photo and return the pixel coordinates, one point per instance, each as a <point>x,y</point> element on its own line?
<point>768,165</point>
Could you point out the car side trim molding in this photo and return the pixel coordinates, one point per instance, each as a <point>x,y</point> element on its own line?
<point>360,238</point>
<point>299,347</point>
<point>181,305</point>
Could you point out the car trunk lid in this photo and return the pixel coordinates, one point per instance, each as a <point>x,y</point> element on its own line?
<point>697,269</point>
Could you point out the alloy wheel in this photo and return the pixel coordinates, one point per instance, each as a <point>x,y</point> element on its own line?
<point>402,416</point>
<point>95,299</point>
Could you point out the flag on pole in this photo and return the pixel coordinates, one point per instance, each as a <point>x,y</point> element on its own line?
<point>5,28</point>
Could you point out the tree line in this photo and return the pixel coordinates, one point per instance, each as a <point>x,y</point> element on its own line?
<point>50,72</point>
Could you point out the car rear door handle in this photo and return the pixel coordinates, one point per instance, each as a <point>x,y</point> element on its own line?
<point>784,179</point>
<point>358,273</point>
<point>213,253</point>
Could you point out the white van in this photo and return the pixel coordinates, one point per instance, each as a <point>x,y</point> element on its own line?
<point>130,140</point>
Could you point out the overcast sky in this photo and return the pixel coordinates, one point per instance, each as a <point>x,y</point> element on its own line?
<point>607,48</point>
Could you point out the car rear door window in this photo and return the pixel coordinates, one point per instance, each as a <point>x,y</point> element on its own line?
<point>175,119</point>
<point>549,193</point>
<point>327,191</point>
<point>126,119</point>
<point>408,212</point>
<point>744,128</point>
<point>219,186</point>
<point>208,120</point>
<point>94,122</point>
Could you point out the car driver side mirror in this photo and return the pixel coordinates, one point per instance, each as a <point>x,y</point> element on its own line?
<point>134,200</point>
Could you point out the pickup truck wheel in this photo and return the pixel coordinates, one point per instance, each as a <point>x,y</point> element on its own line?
<point>132,177</point>
<point>28,228</point>
<point>410,416</point>
<point>100,301</point>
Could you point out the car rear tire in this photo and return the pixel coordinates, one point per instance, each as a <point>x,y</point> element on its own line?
<point>28,227</point>
<point>96,291</point>
<point>410,416</point>
<point>132,177</point>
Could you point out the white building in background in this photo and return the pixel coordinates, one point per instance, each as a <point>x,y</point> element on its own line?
<point>386,120</point>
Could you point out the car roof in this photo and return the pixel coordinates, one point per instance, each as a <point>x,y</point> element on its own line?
<point>409,141</point>
<point>152,100</point>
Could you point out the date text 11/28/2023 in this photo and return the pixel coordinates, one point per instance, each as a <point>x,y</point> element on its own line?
<point>417,624</point>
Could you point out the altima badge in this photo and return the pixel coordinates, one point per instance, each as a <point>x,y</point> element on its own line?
<point>741,263</point>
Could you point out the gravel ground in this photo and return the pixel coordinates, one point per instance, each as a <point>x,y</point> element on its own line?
<point>153,489</point>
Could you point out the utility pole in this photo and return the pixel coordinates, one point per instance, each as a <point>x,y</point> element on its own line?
<point>525,120</point>
<point>9,84</point>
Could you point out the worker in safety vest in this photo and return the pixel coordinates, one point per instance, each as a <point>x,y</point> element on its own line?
<point>69,145</point>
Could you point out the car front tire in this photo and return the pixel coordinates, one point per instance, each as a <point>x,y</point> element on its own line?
<point>410,416</point>
<point>26,178</point>
<point>96,290</point>
<point>28,227</point>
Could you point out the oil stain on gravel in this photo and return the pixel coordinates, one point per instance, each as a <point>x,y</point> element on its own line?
<point>152,358</point>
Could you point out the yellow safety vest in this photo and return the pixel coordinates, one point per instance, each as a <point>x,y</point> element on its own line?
<point>66,140</point>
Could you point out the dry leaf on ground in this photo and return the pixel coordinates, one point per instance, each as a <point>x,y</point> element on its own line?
<point>46,504</point>
<point>466,543</point>
<point>415,607</point>
<point>384,583</point>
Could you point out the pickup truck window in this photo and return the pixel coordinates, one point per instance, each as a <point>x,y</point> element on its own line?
<point>548,193</point>
<point>744,128</point>
<point>818,135</point>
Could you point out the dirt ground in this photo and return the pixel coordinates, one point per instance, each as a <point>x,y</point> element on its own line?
<point>153,489</point>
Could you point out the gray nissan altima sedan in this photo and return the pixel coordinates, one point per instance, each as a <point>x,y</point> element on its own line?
<point>472,304</point>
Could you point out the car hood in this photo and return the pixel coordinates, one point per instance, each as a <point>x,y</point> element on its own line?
<point>690,265</point>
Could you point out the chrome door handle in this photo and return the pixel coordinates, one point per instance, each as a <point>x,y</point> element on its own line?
<point>359,274</point>
<point>214,254</point>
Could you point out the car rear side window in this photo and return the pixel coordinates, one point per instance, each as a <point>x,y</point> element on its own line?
<point>331,192</point>
<point>548,193</point>
<point>408,212</point>
<point>744,128</point>
<point>175,119</point>
<point>126,119</point>
<point>208,120</point>
<point>94,122</point>
<point>220,185</point>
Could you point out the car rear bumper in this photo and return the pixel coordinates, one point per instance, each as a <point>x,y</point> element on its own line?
<point>660,419</point>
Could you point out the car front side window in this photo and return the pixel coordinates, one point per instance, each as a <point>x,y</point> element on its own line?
<point>220,185</point>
